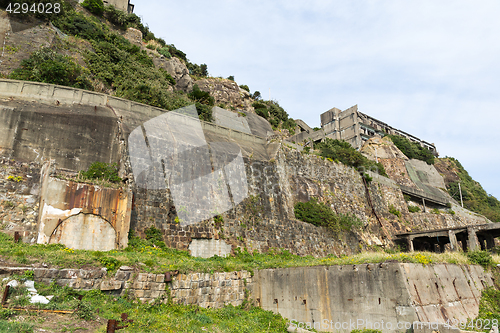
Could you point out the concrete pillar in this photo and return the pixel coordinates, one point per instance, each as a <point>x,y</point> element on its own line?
<point>453,240</point>
<point>472,242</point>
<point>490,242</point>
<point>409,240</point>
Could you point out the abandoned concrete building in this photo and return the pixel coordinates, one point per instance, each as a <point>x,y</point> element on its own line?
<point>124,5</point>
<point>352,126</point>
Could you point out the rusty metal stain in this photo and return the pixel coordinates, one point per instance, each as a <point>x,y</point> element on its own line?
<point>111,205</point>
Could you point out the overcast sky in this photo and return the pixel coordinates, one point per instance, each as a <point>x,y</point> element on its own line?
<point>430,68</point>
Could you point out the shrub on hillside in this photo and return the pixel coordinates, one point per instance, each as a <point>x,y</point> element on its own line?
<point>245,87</point>
<point>201,96</point>
<point>474,196</point>
<point>482,258</point>
<point>320,215</point>
<point>47,66</point>
<point>343,152</point>
<point>164,52</point>
<point>96,7</point>
<point>412,149</point>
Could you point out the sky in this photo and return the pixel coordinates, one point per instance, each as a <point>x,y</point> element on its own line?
<point>430,68</point>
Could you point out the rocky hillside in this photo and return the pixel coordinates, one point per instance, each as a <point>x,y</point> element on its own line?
<point>309,202</point>
<point>114,53</point>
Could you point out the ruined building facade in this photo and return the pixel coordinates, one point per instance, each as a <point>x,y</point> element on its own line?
<point>123,5</point>
<point>354,127</point>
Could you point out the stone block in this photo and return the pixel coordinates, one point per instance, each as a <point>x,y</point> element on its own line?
<point>137,285</point>
<point>142,277</point>
<point>138,293</point>
<point>39,273</point>
<point>151,277</point>
<point>194,285</point>
<point>52,273</point>
<point>148,293</point>
<point>122,275</point>
<point>111,285</point>
<point>160,278</point>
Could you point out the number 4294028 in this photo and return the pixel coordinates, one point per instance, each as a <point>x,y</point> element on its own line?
<point>36,8</point>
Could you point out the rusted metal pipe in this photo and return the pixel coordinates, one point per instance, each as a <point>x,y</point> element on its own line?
<point>17,236</point>
<point>5,294</point>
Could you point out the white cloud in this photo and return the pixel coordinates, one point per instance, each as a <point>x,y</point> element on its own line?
<point>428,67</point>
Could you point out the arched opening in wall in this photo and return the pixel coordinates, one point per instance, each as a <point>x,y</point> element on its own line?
<point>85,232</point>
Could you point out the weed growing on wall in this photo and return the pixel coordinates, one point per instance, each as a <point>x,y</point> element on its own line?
<point>102,171</point>
<point>394,211</point>
<point>320,215</point>
<point>414,209</point>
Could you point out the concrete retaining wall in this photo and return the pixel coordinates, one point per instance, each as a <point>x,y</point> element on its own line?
<point>315,296</point>
<point>388,292</point>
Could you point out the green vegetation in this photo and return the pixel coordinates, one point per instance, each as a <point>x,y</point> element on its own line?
<point>482,258</point>
<point>474,196</point>
<point>275,114</point>
<point>343,152</point>
<point>489,307</point>
<point>245,87</point>
<point>149,256</point>
<point>412,149</point>
<point>394,211</point>
<point>414,209</point>
<point>321,215</point>
<point>159,316</point>
<point>96,7</point>
<point>114,65</point>
<point>102,171</point>
<point>47,66</point>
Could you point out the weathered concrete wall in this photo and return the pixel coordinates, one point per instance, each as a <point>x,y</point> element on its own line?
<point>376,293</point>
<point>230,119</point>
<point>324,295</point>
<point>83,216</point>
<point>74,136</point>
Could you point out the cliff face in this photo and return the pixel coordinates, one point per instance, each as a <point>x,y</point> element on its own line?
<point>75,128</point>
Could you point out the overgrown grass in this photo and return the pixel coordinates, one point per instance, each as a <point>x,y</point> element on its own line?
<point>489,307</point>
<point>160,316</point>
<point>146,256</point>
